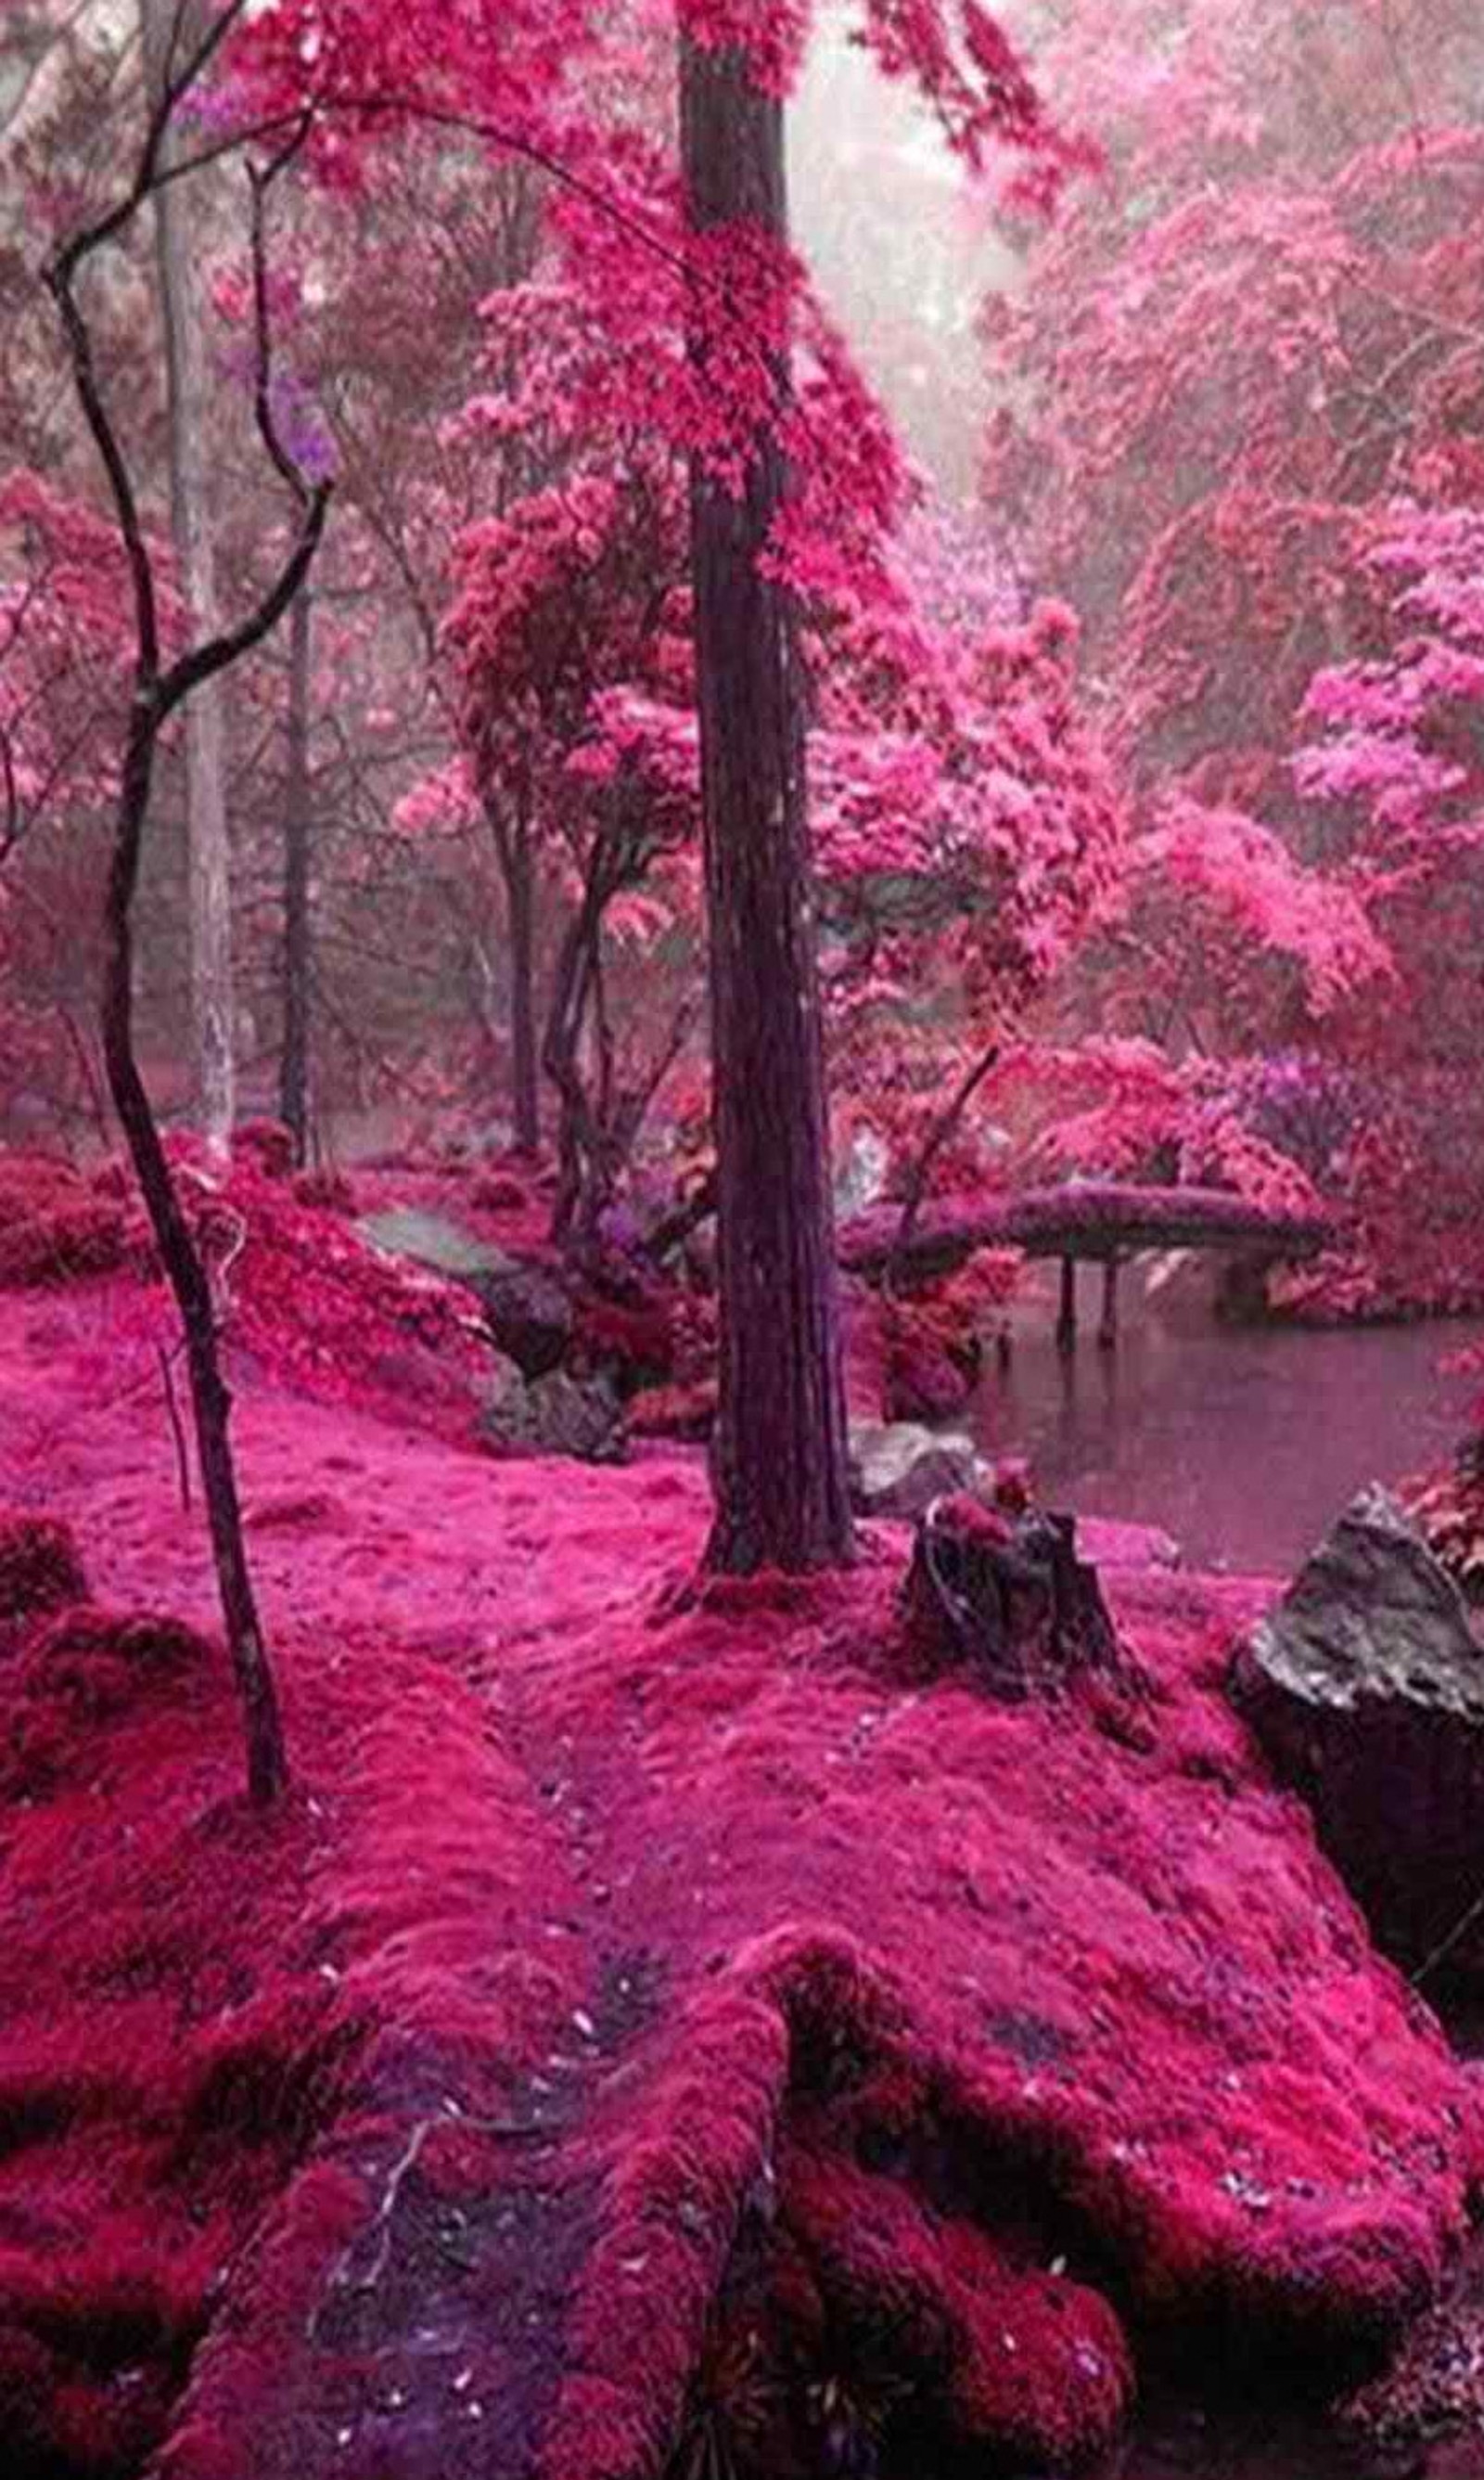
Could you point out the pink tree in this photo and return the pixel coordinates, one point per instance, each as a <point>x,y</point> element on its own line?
<point>569,632</point>
<point>1398,775</point>
<point>1242,343</point>
<point>970,839</point>
<point>781,497</point>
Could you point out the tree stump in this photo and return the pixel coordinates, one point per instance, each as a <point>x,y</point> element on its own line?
<point>1008,1596</point>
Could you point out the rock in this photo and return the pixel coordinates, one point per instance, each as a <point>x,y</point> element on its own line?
<point>1432,2390</point>
<point>1366,1686</point>
<point>556,1415</point>
<point>529,1314</point>
<point>432,1240</point>
<point>898,1468</point>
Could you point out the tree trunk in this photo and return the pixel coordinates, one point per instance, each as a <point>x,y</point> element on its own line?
<point>525,1085</point>
<point>208,871</point>
<point>294,1067</point>
<point>779,1459</point>
<point>267,1770</point>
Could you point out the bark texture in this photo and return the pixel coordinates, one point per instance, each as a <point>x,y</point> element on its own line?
<point>780,1462</point>
<point>293,1084</point>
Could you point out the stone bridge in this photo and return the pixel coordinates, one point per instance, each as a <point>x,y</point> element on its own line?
<point>1104,1221</point>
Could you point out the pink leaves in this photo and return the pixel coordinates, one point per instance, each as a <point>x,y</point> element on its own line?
<point>443,803</point>
<point>1401,747</point>
<point>967,830</point>
<point>1236,870</point>
<point>964,65</point>
<point>742,292</point>
<point>63,667</point>
<point>771,34</point>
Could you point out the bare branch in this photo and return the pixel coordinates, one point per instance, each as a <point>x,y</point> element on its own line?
<point>948,1121</point>
<point>260,179</point>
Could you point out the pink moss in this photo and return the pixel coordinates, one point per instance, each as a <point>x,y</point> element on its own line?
<point>687,1414</point>
<point>328,1191</point>
<point>55,1228</point>
<point>41,1568</point>
<point>634,1963</point>
<point>83,1669</point>
<point>314,1307</point>
<point>635,1344</point>
<point>267,1144</point>
<point>1022,2361</point>
<point>499,1191</point>
<point>932,1359</point>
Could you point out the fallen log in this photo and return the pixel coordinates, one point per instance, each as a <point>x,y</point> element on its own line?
<point>1095,1219</point>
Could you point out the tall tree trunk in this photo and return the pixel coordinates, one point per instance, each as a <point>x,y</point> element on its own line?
<point>781,1453</point>
<point>524,1073</point>
<point>208,870</point>
<point>297,934</point>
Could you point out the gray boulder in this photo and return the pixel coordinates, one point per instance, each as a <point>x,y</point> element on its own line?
<point>1366,1686</point>
<point>529,1314</point>
<point>431,1240</point>
<point>554,1415</point>
<point>898,1468</point>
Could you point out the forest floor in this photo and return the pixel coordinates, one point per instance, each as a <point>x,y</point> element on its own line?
<point>669,2025</point>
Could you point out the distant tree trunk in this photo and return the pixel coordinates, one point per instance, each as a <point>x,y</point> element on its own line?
<point>297,941</point>
<point>525,1080</point>
<point>780,1450</point>
<point>599,1119</point>
<point>208,853</point>
<point>509,821</point>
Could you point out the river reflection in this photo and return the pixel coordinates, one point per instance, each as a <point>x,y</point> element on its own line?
<point>1243,1443</point>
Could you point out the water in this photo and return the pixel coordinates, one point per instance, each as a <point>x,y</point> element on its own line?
<point>1245,1443</point>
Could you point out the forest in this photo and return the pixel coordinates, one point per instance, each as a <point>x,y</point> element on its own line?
<point>742,1240</point>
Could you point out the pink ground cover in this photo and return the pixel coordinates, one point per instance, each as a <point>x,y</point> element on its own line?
<point>662,2020</point>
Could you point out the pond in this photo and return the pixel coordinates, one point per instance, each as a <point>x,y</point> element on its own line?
<point>1243,1441</point>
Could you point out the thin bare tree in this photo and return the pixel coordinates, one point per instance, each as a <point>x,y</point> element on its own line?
<point>160,687</point>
